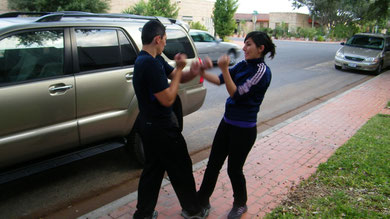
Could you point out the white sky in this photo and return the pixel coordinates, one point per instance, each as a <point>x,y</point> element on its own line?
<point>266,6</point>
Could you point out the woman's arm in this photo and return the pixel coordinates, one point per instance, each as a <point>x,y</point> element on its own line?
<point>223,63</point>
<point>206,64</point>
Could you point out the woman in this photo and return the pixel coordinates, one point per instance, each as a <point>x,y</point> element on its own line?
<point>246,84</point>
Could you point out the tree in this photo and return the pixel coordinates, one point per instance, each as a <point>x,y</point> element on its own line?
<point>95,6</point>
<point>346,12</point>
<point>198,26</point>
<point>154,8</point>
<point>139,8</point>
<point>223,14</point>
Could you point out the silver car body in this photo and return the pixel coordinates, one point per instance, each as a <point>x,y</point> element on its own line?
<point>52,114</point>
<point>208,46</point>
<point>367,52</point>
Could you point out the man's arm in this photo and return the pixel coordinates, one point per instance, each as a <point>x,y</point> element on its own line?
<point>167,96</point>
<point>189,74</point>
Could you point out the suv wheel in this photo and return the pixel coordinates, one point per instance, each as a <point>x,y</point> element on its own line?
<point>337,67</point>
<point>134,145</point>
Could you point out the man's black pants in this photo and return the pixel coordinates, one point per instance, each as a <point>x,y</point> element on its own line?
<point>165,150</point>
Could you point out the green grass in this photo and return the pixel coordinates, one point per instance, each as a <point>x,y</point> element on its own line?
<point>353,183</point>
<point>388,104</point>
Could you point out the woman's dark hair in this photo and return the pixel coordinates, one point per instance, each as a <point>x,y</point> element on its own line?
<point>261,38</point>
<point>150,30</point>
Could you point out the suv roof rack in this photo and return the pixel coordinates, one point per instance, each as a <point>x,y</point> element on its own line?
<point>57,16</point>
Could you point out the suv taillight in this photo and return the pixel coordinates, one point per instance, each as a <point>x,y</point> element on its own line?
<point>201,79</point>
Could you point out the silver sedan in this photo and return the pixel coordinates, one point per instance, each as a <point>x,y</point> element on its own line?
<point>207,45</point>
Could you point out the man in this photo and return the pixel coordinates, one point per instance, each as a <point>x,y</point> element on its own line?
<point>164,146</point>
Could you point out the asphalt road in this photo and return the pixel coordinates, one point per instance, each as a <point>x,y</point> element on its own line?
<point>303,75</point>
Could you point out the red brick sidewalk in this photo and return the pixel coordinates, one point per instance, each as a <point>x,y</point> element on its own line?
<point>284,155</point>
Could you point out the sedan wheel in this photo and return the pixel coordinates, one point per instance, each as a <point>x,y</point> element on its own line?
<point>232,56</point>
<point>379,69</point>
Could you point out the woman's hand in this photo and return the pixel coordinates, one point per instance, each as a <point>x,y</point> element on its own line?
<point>223,62</point>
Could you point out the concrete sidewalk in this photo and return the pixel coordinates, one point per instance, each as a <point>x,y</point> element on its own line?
<point>281,157</point>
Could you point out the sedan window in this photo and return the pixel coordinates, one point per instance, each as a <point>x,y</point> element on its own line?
<point>366,42</point>
<point>207,37</point>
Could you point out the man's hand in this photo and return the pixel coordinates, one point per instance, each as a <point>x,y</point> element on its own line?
<point>207,63</point>
<point>195,69</point>
<point>180,60</point>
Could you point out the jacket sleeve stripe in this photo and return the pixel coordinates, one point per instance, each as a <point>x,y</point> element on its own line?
<point>244,88</point>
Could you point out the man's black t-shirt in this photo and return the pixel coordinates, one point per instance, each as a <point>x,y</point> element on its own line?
<point>150,76</point>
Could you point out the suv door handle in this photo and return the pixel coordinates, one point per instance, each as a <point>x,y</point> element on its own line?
<point>129,76</point>
<point>59,88</point>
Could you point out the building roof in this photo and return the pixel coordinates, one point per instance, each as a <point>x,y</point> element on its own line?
<point>248,17</point>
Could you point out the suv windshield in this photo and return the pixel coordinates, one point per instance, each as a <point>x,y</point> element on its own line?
<point>368,42</point>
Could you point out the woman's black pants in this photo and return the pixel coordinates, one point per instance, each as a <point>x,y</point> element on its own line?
<point>235,143</point>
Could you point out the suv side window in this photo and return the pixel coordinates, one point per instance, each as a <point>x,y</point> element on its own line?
<point>178,42</point>
<point>31,55</point>
<point>103,48</point>
<point>128,53</point>
<point>97,49</point>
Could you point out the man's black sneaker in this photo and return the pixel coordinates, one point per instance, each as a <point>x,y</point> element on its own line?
<point>201,215</point>
<point>236,212</point>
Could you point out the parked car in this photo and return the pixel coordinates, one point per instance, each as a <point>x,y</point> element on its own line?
<point>66,82</point>
<point>207,45</point>
<point>364,51</point>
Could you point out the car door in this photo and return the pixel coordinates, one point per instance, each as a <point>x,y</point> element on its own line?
<point>37,109</point>
<point>104,59</point>
<point>205,45</point>
<point>386,61</point>
<point>214,45</point>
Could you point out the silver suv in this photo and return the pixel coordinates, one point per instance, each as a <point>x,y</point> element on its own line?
<point>66,82</point>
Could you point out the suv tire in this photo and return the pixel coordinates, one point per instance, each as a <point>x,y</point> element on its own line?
<point>134,145</point>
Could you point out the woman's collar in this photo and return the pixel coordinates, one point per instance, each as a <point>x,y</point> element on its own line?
<point>255,61</point>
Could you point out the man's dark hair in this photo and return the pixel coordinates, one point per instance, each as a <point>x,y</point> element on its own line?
<point>150,30</point>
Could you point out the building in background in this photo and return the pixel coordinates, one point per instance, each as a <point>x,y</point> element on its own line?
<point>292,20</point>
<point>245,22</point>
<point>202,10</point>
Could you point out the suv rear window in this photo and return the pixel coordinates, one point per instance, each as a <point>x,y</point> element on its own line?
<point>31,55</point>
<point>178,42</point>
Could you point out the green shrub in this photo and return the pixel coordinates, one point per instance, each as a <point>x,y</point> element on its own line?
<point>320,38</point>
<point>197,25</point>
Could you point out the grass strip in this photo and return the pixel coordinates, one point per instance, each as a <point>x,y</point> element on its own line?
<point>353,183</point>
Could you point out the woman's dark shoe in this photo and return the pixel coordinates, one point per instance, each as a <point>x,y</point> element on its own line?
<point>236,212</point>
